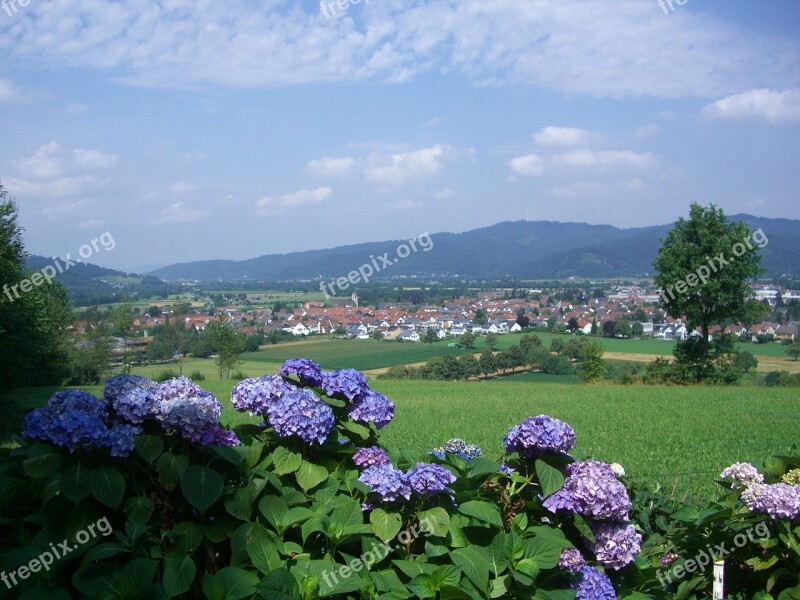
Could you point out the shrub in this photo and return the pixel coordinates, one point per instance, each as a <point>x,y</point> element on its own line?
<point>197,376</point>
<point>166,374</point>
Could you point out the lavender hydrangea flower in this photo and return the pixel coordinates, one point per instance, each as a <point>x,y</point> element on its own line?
<point>427,479</point>
<point>388,482</point>
<point>189,414</point>
<point>616,545</point>
<point>438,453</point>
<point>743,475</point>
<point>256,393</point>
<point>120,439</point>
<point>121,384</point>
<point>369,457</point>
<point>572,560</point>
<point>214,435</point>
<point>372,408</point>
<point>779,500</point>
<point>539,435</point>
<point>179,386</point>
<point>72,419</point>
<point>591,490</point>
<point>668,559</point>
<point>300,413</point>
<point>136,405</point>
<point>306,370</point>
<point>593,585</point>
<point>347,383</point>
<point>506,470</point>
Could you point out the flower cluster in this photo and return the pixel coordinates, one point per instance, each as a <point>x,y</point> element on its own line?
<point>307,371</point>
<point>345,383</point>
<point>592,490</point>
<point>372,407</point>
<point>743,475</point>
<point>539,435</point>
<point>668,559</point>
<point>255,394</point>
<point>179,386</point>
<point>137,405</point>
<point>593,585</point>
<point>301,413</point>
<point>779,501</point>
<point>189,414</point>
<point>121,384</point>
<point>459,448</point>
<point>616,545</point>
<point>427,479</point>
<point>386,481</point>
<point>572,560</point>
<point>792,477</point>
<point>369,457</point>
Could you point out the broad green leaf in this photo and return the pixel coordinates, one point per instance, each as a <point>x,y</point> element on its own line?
<point>550,478</point>
<point>385,525</point>
<point>274,510</point>
<point>171,468</point>
<point>230,583</point>
<point>482,466</point>
<point>483,511</point>
<point>201,486</point>
<point>108,487</point>
<point>285,461</point>
<point>434,521</point>
<point>149,447</point>
<point>423,586</point>
<point>473,564</point>
<point>139,509</point>
<point>545,551</point>
<point>279,585</point>
<point>262,550</point>
<point>310,475</point>
<point>42,466</point>
<point>76,483</point>
<point>179,573</point>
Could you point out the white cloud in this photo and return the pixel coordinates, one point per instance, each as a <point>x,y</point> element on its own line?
<point>67,207</point>
<point>404,167</point>
<point>762,103</point>
<point>181,187</point>
<point>59,187</point>
<point>330,167</point>
<point>272,206</point>
<point>561,136</point>
<point>578,189</point>
<point>180,212</point>
<point>604,159</point>
<point>529,165</point>
<point>444,194</point>
<point>92,224</point>
<point>92,159</point>
<point>46,162</point>
<point>9,93</point>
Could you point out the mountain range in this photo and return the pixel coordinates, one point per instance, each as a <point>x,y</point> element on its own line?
<point>520,250</point>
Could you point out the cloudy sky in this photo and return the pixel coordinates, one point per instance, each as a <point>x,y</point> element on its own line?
<point>204,129</point>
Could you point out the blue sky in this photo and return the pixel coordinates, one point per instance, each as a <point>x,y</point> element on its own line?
<point>196,129</point>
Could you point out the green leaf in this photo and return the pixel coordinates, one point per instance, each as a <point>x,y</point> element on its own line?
<point>170,468</point>
<point>149,447</point>
<point>235,455</point>
<point>139,509</point>
<point>483,511</point>
<point>360,430</point>
<point>76,483</point>
<point>545,551</point>
<point>186,536</point>
<point>240,505</point>
<point>135,578</point>
<point>385,525</point>
<point>528,566</point>
<point>285,461</point>
<point>201,486</point>
<point>262,550</point>
<point>274,510</point>
<point>310,475</point>
<point>279,585</point>
<point>482,466</point>
<point>101,552</point>
<point>550,478</point>
<point>42,466</point>
<point>108,487</point>
<point>179,573</point>
<point>423,586</point>
<point>473,564</point>
<point>446,575</point>
<point>230,583</point>
<point>349,516</point>
<point>434,521</point>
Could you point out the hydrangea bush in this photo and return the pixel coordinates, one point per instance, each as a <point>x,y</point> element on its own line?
<point>304,502</point>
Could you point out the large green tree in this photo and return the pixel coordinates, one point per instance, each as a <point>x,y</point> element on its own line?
<point>703,267</point>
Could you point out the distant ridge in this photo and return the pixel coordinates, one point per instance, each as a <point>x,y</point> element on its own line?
<point>519,249</point>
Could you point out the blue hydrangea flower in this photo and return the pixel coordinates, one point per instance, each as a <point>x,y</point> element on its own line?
<point>539,435</point>
<point>427,479</point>
<point>120,439</point>
<point>136,405</point>
<point>616,545</point>
<point>306,370</point>
<point>72,419</point>
<point>438,453</point>
<point>214,435</point>
<point>300,413</point>
<point>779,500</point>
<point>388,482</point>
<point>369,457</point>
<point>506,470</point>
<point>372,408</point>
<point>189,414</point>
<point>256,393</point>
<point>593,585</point>
<point>572,560</point>
<point>347,383</point>
<point>121,384</point>
<point>179,386</point>
<point>455,446</point>
<point>591,490</point>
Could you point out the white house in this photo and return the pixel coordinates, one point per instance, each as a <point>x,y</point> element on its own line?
<point>409,335</point>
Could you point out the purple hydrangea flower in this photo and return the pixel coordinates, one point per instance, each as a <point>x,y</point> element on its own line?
<point>214,435</point>
<point>438,453</point>
<point>72,419</point>
<point>348,383</point>
<point>572,560</point>
<point>779,500</point>
<point>179,386</point>
<point>136,405</point>
<point>506,470</point>
<point>743,475</point>
<point>256,393</point>
<point>539,435</point>
<point>616,545</point>
<point>306,370</point>
<point>189,414</point>
<point>302,414</point>
<point>593,585</point>
<point>372,408</point>
<point>592,490</point>
<point>121,384</point>
<point>388,482</point>
<point>120,439</point>
<point>427,479</point>
<point>668,559</point>
<point>369,457</point>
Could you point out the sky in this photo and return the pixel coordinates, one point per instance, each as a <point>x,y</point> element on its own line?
<point>193,130</point>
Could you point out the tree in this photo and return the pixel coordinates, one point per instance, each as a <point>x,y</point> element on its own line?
<point>228,344</point>
<point>592,367</point>
<point>572,324</point>
<point>608,328</point>
<point>622,328</point>
<point>637,329</point>
<point>556,345</point>
<point>702,269</point>
<point>522,319</point>
<point>468,340</point>
<point>491,340</point>
<point>595,329</point>
<point>252,343</point>
<point>480,317</point>
<point>470,367</point>
<point>154,311</point>
<point>487,363</point>
<point>793,351</point>
<point>122,320</point>
<point>377,335</point>
<point>430,337</point>
<point>746,361</point>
